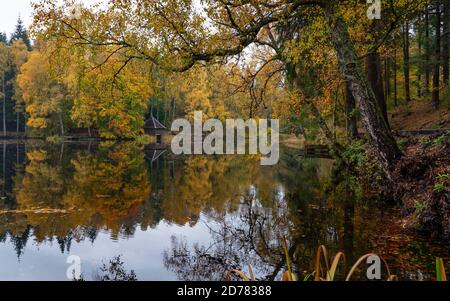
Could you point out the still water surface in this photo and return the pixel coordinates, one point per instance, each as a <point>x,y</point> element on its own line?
<point>185,218</point>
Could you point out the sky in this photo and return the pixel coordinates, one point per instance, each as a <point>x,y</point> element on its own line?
<point>11,10</point>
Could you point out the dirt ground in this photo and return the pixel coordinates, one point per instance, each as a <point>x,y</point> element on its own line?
<point>422,183</point>
<point>419,115</point>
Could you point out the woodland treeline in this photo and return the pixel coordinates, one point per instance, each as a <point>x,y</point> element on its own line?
<point>14,53</point>
<point>322,67</point>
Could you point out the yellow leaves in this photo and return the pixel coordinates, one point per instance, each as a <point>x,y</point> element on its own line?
<point>325,103</point>
<point>38,123</point>
<point>19,53</point>
<point>290,104</point>
<point>41,94</point>
<point>37,155</point>
<point>199,92</point>
<point>4,57</point>
<point>113,103</point>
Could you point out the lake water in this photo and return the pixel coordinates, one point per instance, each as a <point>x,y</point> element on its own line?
<point>186,218</point>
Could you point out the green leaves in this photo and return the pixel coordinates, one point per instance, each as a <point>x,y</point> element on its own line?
<point>443,180</point>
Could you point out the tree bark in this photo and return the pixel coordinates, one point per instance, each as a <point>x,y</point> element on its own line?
<point>386,79</point>
<point>380,136</point>
<point>350,113</point>
<point>290,74</point>
<point>419,46</point>
<point>446,43</point>
<point>406,67</point>
<point>173,109</point>
<point>395,79</point>
<point>427,51</point>
<point>61,121</point>
<point>374,75</point>
<point>437,58</point>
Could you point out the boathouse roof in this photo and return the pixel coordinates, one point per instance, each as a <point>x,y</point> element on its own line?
<point>153,124</point>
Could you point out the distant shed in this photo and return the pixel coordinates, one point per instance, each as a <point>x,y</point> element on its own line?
<point>154,127</point>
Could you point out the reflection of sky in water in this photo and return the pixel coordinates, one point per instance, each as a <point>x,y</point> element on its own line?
<point>143,253</point>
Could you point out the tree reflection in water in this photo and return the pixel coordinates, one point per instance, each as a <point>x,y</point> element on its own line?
<point>70,193</point>
<point>278,204</point>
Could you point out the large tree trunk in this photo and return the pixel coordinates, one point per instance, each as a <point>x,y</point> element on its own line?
<point>379,134</point>
<point>374,75</point>
<point>437,58</point>
<point>350,113</point>
<point>446,43</point>
<point>406,69</point>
